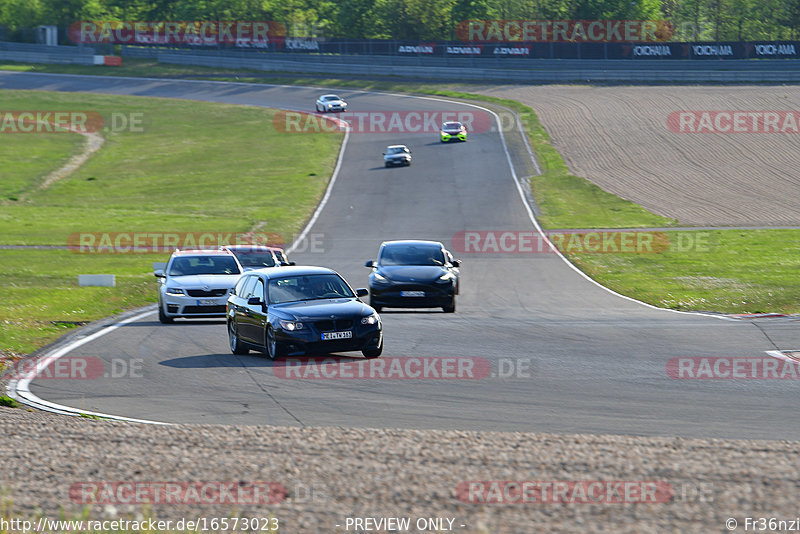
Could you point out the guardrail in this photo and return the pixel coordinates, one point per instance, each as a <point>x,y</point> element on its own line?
<point>37,53</point>
<point>519,71</point>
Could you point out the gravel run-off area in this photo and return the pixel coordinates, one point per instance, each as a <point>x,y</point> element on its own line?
<point>619,138</point>
<point>330,474</point>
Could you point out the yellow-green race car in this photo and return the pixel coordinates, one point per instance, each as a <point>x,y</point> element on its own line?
<point>453,131</point>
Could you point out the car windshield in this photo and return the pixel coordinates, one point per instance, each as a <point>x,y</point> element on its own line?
<point>281,256</point>
<point>307,287</point>
<point>255,258</point>
<point>396,150</point>
<point>451,126</point>
<point>330,97</point>
<point>412,255</point>
<point>193,265</point>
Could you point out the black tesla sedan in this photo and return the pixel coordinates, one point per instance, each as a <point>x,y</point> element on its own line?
<point>413,274</point>
<point>301,310</point>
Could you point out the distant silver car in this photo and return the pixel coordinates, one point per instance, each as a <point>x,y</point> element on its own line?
<point>327,103</point>
<point>397,155</point>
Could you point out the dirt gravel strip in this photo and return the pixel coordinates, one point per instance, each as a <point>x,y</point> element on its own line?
<point>618,138</point>
<point>92,144</point>
<point>332,474</point>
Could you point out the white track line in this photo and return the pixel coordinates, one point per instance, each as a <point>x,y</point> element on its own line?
<point>332,181</point>
<point>779,354</point>
<point>20,388</point>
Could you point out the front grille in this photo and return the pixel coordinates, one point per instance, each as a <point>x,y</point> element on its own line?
<point>333,325</point>
<point>203,293</point>
<point>204,310</point>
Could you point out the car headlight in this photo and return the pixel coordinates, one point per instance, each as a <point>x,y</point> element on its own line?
<point>370,319</point>
<point>447,277</point>
<point>175,291</point>
<point>291,326</point>
<point>379,277</point>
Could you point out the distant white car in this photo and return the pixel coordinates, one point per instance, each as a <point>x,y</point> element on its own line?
<point>327,103</point>
<point>397,155</point>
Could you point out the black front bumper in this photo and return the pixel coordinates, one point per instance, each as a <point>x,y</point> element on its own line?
<point>397,161</point>
<point>390,296</point>
<point>309,340</point>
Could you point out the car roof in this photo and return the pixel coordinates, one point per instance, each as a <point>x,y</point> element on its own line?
<point>202,252</point>
<point>401,242</point>
<point>250,248</point>
<point>297,270</point>
<point>397,146</point>
<point>331,94</point>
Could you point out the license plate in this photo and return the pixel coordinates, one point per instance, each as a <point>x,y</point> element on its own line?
<point>207,302</point>
<point>327,336</point>
<point>412,293</point>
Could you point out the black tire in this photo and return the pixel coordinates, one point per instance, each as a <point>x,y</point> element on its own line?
<point>237,347</point>
<point>162,317</point>
<point>373,353</point>
<point>387,165</point>
<point>450,308</point>
<point>274,349</point>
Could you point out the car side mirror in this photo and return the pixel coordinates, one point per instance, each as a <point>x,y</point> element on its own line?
<point>255,301</point>
<point>291,263</point>
<point>369,263</point>
<point>456,263</point>
<point>159,274</point>
<point>362,292</point>
<point>383,153</point>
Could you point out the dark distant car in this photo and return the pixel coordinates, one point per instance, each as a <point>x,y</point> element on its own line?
<point>413,274</point>
<point>397,155</point>
<point>301,310</point>
<point>258,256</point>
<point>453,131</point>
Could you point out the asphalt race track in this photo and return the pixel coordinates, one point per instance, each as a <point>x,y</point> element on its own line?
<point>597,362</point>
